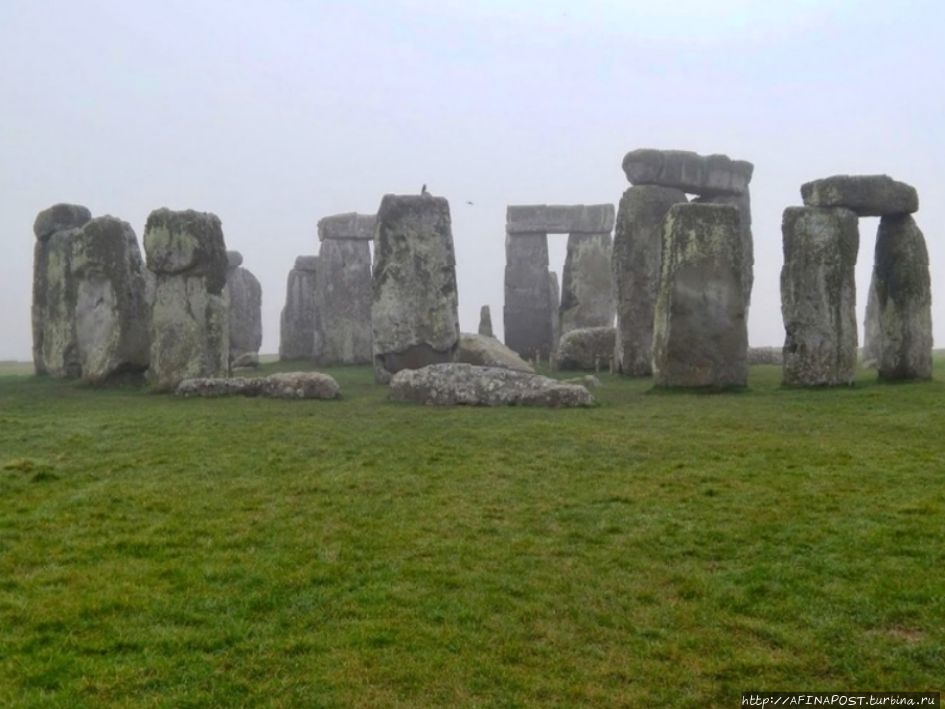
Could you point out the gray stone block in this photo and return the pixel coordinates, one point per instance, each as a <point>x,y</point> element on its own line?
<point>707,176</point>
<point>299,314</point>
<point>590,348</point>
<point>343,301</point>
<point>559,219</point>
<point>587,293</point>
<point>244,294</point>
<point>347,226</point>
<point>530,314</point>
<point>486,351</point>
<point>60,217</point>
<point>485,321</point>
<point>867,195</point>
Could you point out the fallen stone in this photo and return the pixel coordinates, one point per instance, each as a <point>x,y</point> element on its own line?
<point>486,351</point>
<point>219,386</point>
<point>485,321</point>
<point>414,312</point>
<point>590,348</point>
<point>299,315</point>
<point>818,296</point>
<point>690,172</point>
<point>867,195</point>
<point>636,261</point>
<point>587,292</point>
<point>347,226</point>
<point>588,381</point>
<point>286,385</point>
<point>60,217</point>
<point>902,289</point>
<point>465,384</point>
<point>700,336</point>
<point>342,331</point>
<point>559,219</point>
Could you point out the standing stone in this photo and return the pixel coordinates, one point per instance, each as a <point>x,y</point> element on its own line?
<point>55,345</point>
<point>485,321</point>
<point>245,298</point>
<point>587,294</point>
<point>554,311</point>
<point>818,295</point>
<point>636,261</point>
<point>414,313</point>
<point>528,317</point>
<point>871,327</point>
<point>700,336</point>
<point>297,323</point>
<point>903,300</point>
<point>742,202</point>
<point>111,310</point>
<point>190,330</point>
<point>343,299</point>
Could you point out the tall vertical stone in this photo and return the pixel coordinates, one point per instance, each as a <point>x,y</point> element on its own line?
<point>190,330</point>
<point>485,321</point>
<point>343,300</point>
<point>297,323</point>
<point>245,297</point>
<point>700,336</point>
<point>742,202</point>
<point>415,308</point>
<point>818,295</point>
<point>903,304</point>
<point>871,328</point>
<point>527,314</point>
<point>111,311</point>
<point>587,293</point>
<point>636,261</point>
<point>554,310</point>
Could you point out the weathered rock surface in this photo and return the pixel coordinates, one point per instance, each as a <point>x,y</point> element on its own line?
<point>55,344</point>
<point>636,261</point>
<point>485,321</point>
<point>867,195</point>
<point>297,322</point>
<point>903,308</point>
<point>766,355</point>
<point>286,385</point>
<point>743,203</point>
<point>190,330</point>
<point>486,351</point>
<point>818,296</point>
<point>590,348</point>
<point>587,292</point>
<point>690,172</point>
<point>60,217</point>
<point>554,311</point>
<point>700,336</point>
<point>872,331</point>
<point>111,311</point>
<point>414,312</point>
<point>530,313</point>
<point>245,297</point>
<point>465,384</point>
<point>347,226</point>
<point>342,332</point>
<point>559,219</point>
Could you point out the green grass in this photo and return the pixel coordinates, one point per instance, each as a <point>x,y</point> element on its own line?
<point>656,550</point>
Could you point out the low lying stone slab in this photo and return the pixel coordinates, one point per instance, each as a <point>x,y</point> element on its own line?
<point>285,385</point>
<point>347,226</point>
<point>867,195</point>
<point>560,219</point>
<point>588,348</point>
<point>485,351</point>
<point>704,175</point>
<point>465,384</point>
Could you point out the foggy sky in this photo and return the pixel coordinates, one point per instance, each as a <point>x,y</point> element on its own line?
<point>274,114</point>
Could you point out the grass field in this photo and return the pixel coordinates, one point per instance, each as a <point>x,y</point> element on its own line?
<point>656,550</point>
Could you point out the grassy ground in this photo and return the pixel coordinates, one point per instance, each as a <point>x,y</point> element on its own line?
<point>657,550</point>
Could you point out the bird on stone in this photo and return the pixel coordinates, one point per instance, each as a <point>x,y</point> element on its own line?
<point>423,190</point>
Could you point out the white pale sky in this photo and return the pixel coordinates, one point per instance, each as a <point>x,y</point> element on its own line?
<point>274,114</point>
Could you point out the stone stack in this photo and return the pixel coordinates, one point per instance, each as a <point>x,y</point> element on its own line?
<point>190,330</point>
<point>245,298</point>
<point>532,315</point>
<point>90,315</point>
<point>660,179</point>
<point>820,346</point>
<point>414,312</point>
<point>343,290</point>
<point>297,322</point>
<point>700,334</point>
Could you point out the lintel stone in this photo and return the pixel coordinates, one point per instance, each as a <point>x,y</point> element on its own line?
<point>347,226</point>
<point>560,219</point>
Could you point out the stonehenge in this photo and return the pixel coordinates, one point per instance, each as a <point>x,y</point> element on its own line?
<point>659,179</point>
<point>342,331</point>
<point>190,331</point>
<point>297,321</point>
<point>414,309</point>
<point>244,295</point>
<point>700,335</point>
<point>532,317</point>
<point>89,313</point>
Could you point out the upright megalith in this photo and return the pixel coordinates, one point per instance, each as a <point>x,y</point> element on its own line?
<point>587,294</point>
<point>818,295</point>
<point>343,290</point>
<point>414,311</point>
<point>901,287</point>
<point>190,330</point>
<point>55,345</point>
<point>637,256</point>
<point>245,299</point>
<point>299,315</point>
<point>554,311</point>
<point>700,336</point>
<point>485,321</point>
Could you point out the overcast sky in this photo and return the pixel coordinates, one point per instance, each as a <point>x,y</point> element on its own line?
<point>274,114</point>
